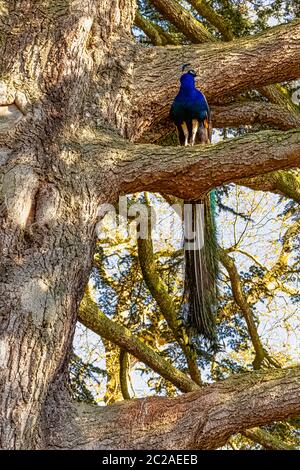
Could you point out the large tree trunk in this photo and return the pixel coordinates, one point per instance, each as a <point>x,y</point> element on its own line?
<point>65,102</point>
<point>48,204</point>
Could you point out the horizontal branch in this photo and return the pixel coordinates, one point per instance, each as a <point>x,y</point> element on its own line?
<point>224,69</point>
<point>232,115</point>
<point>203,419</point>
<point>10,115</point>
<point>254,112</point>
<point>188,172</point>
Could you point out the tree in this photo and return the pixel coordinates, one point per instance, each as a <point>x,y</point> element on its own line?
<point>81,105</point>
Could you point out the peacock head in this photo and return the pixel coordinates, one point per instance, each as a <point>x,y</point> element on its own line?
<point>187,78</point>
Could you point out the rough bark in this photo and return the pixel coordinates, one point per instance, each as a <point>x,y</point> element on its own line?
<point>166,304</point>
<point>49,203</point>
<point>188,172</point>
<point>203,419</point>
<point>69,88</point>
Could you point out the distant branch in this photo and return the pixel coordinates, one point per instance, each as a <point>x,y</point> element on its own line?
<point>218,21</point>
<point>261,355</point>
<point>267,440</point>
<point>91,317</point>
<point>183,20</point>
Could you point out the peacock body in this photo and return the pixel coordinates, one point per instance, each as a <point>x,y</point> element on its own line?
<point>191,114</point>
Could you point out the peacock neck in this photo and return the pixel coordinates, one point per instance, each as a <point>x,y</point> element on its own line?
<point>187,88</point>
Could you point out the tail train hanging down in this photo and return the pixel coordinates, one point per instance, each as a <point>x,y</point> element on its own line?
<point>201,267</point>
<point>191,115</point>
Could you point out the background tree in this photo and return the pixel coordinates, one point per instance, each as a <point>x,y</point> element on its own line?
<point>81,104</point>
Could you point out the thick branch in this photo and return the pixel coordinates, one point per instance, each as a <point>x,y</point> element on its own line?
<point>93,318</point>
<point>275,93</point>
<point>124,358</point>
<point>155,33</point>
<point>203,419</point>
<point>188,172</point>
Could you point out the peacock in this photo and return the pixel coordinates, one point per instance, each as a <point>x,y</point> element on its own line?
<point>191,114</point>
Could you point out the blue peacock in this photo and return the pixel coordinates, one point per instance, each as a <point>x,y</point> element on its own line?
<point>191,114</point>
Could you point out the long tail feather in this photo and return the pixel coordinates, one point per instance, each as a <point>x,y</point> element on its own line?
<point>200,291</point>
